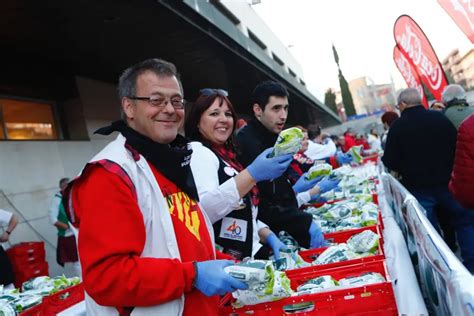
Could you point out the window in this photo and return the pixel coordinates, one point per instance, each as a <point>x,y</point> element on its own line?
<point>292,72</point>
<point>26,120</point>
<point>226,12</point>
<point>278,60</point>
<point>256,40</point>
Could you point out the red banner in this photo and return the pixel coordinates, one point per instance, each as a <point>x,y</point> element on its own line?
<point>414,45</point>
<point>462,13</point>
<point>409,73</point>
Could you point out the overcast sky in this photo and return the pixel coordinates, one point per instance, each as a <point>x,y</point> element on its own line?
<point>361,30</point>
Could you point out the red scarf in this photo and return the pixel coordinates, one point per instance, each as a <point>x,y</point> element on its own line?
<point>230,157</point>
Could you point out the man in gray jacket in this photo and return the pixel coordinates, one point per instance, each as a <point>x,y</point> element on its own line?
<point>457,108</point>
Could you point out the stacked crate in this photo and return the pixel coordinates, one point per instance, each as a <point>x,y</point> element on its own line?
<point>28,261</point>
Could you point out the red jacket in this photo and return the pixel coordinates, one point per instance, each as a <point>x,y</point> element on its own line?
<point>462,178</point>
<point>349,142</point>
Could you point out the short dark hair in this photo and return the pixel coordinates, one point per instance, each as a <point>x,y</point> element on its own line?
<point>314,131</point>
<point>389,117</point>
<point>63,180</point>
<point>263,91</point>
<point>127,84</point>
<point>202,103</point>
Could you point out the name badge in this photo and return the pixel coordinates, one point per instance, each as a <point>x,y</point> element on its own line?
<point>234,229</point>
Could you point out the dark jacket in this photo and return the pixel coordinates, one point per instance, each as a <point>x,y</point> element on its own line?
<point>420,147</point>
<point>278,207</point>
<point>462,179</point>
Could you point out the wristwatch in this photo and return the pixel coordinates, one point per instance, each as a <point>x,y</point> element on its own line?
<point>8,232</point>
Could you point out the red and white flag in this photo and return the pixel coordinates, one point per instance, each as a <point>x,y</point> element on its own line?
<point>416,47</point>
<point>462,13</point>
<point>409,73</point>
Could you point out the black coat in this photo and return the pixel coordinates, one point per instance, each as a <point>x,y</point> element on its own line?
<point>420,147</point>
<point>278,207</point>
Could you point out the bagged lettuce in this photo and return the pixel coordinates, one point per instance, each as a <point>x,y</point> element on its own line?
<point>252,272</point>
<point>363,279</point>
<point>338,212</point>
<point>6,309</point>
<point>335,253</point>
<point>289,141</point>
<point>275,288</point>
<point>366,241</point>
<point>288,240</point>
<point>320,283</point>
<point>290,260</point>
<point>320,169</point>
<point>355,153</point>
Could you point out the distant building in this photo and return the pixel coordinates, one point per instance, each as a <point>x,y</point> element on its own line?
<point>461,68</point>
<point>369,97</point>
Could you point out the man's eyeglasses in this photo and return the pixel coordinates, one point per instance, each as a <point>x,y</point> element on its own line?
<point>176,102</point>
<point>208,92</point>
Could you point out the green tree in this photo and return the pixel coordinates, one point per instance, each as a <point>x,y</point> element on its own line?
<point>330,100</point>
<point>345,92</point>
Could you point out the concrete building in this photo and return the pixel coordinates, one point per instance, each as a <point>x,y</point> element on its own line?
<point>61,63</point>
<point>369,97</point>
<point>461,67</point>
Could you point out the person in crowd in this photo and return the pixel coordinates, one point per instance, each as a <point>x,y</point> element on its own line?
<point>317,148</point>
<point>457,108</point>
<point>374,142</point>
<point>227,191</point>
<point>420,147</point>
<point>6,270</point>
<point>443,216</point>
<point>462,184</point>
<point>361,141</point>
<point>66,249</point>
<point>278,205</point>
<point>387,119</point>
<point>335,139</point>
<point>349,140</point>
<point>145,245</point>
<point>437,106</point>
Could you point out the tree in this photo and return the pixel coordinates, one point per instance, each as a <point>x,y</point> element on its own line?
<point>345,92</point>
<point>330,100</point>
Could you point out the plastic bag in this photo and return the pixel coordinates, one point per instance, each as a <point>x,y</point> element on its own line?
<point>289,141</point>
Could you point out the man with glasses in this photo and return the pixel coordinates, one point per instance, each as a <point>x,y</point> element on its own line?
<point>420,148</point>
<point>145,245</point>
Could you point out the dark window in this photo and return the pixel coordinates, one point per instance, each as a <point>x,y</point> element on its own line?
<point>277,59</point>
<point>302,82</point>
<point>27,120</point>
<point>226,12</point>
<point>292,72</point>
<point>257,41</point>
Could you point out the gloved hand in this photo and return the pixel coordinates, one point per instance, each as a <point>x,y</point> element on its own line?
<point>327,184</point>
<point>317,237</point>
<point>213,280</point>
<point>275,244</point>
<point>343,158</point>
<point>303,184</point>
<point>265,168</point>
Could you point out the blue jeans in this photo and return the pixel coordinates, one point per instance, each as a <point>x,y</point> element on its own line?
<point>461,219</point>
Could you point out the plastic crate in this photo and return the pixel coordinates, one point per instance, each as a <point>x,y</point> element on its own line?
<point>56,303</point>
<point>30,271</point>
<point>36,310</point>
<point>373,158</point>
<point>26,253</point>
<point>374,299</point>
<point>309,255</point>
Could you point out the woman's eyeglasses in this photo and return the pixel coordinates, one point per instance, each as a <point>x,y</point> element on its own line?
<point>208,92</point>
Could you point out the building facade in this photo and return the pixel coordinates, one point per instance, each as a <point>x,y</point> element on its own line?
<point>460,67</point>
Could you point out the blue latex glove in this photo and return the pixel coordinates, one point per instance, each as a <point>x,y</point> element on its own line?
<point>266,168</point>
<point>327,184</point>
<point>213,280</point>
<point>275,244</point>
<point>304,184</point>
<point>317,237</point>
<point>343,158</point>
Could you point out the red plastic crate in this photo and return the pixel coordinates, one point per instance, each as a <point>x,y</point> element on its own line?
<point>374,299</point>
<point>373,158</point>
<point>308,255</point>
<point>56,303</point>
<point>30,271</point>
<point>36,310</point>
<point>25,254</point>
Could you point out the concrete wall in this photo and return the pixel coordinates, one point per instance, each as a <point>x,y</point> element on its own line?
<point>30,170</point>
